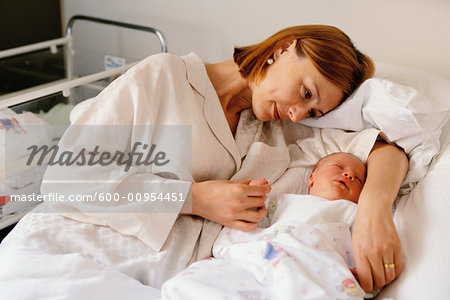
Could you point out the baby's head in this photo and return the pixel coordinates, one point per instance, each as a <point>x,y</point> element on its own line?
<point>338,176</point>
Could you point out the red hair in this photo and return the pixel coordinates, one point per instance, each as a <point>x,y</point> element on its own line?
<point>329,49</point>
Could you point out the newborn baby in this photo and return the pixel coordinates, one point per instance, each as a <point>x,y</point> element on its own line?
<point>305,252</point>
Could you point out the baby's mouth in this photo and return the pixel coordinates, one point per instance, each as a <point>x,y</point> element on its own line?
<point>343,183</point>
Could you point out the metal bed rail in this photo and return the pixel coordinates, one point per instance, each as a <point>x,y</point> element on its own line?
<point>65,85</point>
<point>33,47</point>
<point>69,54</point>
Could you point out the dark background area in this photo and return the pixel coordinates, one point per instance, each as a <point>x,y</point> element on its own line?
<point>23,22</point>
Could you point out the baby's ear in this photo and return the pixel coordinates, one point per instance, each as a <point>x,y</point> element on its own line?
<point>311,180</point>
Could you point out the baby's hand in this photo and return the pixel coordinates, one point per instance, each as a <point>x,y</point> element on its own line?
<point>259,181</point>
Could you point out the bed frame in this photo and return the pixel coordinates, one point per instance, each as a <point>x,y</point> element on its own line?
<point>71,81</point>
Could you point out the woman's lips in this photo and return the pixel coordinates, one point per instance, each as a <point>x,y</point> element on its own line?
<point>276,115</point>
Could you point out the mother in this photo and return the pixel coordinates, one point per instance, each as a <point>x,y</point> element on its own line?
<point>299,72</point>
<point>306,71</point>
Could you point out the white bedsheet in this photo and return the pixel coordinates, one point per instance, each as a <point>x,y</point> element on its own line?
<point>47,261</point>
<point>305,254</point>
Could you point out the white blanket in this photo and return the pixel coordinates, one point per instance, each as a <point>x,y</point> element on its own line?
<point>306,251</point>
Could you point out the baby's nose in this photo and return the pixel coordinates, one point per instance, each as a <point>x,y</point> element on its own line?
<point>349,175</point>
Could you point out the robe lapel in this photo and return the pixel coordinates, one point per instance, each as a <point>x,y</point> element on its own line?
<point>214,114</point>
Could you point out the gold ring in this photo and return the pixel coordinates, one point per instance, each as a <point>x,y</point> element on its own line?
<point>389,266</point>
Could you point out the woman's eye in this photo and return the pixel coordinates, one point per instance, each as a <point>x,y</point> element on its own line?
<point>307,94</point>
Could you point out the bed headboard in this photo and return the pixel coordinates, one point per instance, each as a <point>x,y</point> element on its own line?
<point>414,33</point>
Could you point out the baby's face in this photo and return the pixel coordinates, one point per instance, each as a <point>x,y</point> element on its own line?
<point>338,176</point>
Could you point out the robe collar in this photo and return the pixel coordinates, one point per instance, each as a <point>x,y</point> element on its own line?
<point>198,78</point>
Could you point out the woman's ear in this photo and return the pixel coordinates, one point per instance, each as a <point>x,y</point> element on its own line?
<point>284,48</point>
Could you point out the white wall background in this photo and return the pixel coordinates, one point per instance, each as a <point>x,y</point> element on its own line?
<point>415,33</point>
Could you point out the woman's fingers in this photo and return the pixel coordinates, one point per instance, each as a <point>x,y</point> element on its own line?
<point>256,190</point>
<point>376,270</point>
<point>235,204</point>
<point>389,271</point>
<point>243,226</point>
<point>249,196</point>
<point>251,203</point>
<point>248,206</point>
<point>249,220</point>
<point>373,273</point>
<point>389,268</point>
<point>378,274</point>
<point>364,273</point>
<point>398,261</point>
<point>376,242</point>
<point>252,215</point>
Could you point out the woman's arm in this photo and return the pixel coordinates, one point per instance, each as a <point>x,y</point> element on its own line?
<point>375,239</point>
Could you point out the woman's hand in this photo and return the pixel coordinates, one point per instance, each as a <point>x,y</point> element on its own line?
<point>376,247</point>
<point>233,203</point>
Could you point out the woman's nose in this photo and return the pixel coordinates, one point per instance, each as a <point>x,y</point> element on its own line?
<point>296,113</point>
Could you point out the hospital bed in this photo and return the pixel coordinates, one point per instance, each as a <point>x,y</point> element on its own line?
<point>421,212</point>
<point>26,107</point>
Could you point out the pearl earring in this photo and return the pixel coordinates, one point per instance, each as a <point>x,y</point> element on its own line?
<point>270,61</point>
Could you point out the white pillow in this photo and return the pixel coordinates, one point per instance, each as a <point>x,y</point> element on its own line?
<point>430,85</point>
<point>406,117</point>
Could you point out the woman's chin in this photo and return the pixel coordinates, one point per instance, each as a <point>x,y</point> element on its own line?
<point>262,117</point>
